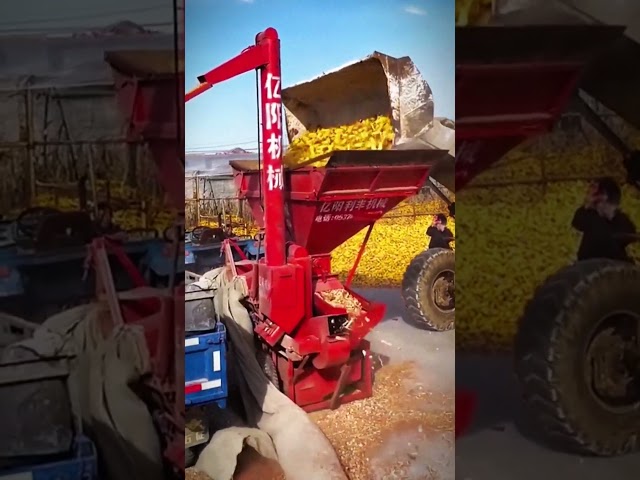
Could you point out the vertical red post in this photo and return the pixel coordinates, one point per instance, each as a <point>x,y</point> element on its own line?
<point>272,170</point>
<point>354,268</point>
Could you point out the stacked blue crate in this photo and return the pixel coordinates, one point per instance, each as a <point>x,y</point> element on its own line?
<point>205,371</point>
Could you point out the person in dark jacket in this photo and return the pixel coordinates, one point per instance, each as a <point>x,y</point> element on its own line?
<point>440,235</point>
<point>606,230</point>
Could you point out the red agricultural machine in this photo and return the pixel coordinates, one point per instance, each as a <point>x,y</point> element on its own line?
<point>577,350</point>
<point>319,355</point>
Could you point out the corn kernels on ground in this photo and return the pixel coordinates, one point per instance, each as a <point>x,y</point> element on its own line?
<point>382,437</point>
<point>390,434</point>
<point>370,134</point>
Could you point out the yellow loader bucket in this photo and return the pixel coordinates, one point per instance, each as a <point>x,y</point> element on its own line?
<point>377,85</point>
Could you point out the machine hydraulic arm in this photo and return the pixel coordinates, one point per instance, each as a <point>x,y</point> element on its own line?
<point>263,56</point>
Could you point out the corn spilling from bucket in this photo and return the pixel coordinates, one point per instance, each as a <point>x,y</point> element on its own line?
<point>375,133</point>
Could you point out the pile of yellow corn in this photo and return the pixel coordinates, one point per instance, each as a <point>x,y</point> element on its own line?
<point>395,240</point>
<point>473,12</point>
<point>513,237</point>
<point>370,134</point>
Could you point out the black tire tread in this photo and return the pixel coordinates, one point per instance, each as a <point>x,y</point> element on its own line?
<point>417,314</point>
<point>546,320</point>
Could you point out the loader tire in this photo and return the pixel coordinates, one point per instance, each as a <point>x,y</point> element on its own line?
<point>430,273</point>
<point>576,400</point>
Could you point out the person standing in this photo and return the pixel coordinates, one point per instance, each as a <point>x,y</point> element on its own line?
<point>606,230</point>
<point>439,233</point>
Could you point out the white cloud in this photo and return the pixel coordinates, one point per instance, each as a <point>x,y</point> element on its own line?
<point>414,10</point>
<point>246,1</point>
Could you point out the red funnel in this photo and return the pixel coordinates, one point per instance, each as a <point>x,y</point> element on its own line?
<point>324,207</point>
<point>150,94</point>
<point>513,83</point>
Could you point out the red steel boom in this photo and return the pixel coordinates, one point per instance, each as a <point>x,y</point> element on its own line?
<point>263,56</point>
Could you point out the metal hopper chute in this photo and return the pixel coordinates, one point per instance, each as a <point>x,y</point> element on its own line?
<point>377,85</point>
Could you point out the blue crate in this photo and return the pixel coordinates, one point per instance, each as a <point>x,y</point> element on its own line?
<point>205,368</point>
<point>83,465</point>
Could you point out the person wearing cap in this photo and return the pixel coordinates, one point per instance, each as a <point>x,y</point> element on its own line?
<point>441,236</point>
<point>606,230</point>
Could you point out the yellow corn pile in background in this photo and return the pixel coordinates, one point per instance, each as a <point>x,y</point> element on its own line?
<point>395,240</point>
<point>126,218</point>
<point>371,134</point>
<point>514,237</point>
<point>240,225</point>
<point>515,228</point>
<point>473,12</point>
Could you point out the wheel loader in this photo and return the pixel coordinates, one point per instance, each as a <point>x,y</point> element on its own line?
<point>577,346</point>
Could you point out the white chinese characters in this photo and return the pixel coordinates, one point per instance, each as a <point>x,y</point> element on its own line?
<point>373,204</point>
<point>275,178</point>
<point>274,145</point>
<point>272,86</point>
<point>333,218</point>
<point>273,132</point>
<point>273,115</point>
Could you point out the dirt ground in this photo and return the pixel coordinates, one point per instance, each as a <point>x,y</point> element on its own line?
<point>405,431</point>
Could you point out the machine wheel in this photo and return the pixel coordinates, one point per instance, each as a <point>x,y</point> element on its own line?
<point>428,290</point>
<point>576,356</point>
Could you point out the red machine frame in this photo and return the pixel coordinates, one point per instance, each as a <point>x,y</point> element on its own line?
<point>304,215</point>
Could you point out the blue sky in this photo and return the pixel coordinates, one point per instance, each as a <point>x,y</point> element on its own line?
<point>316,36</point>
